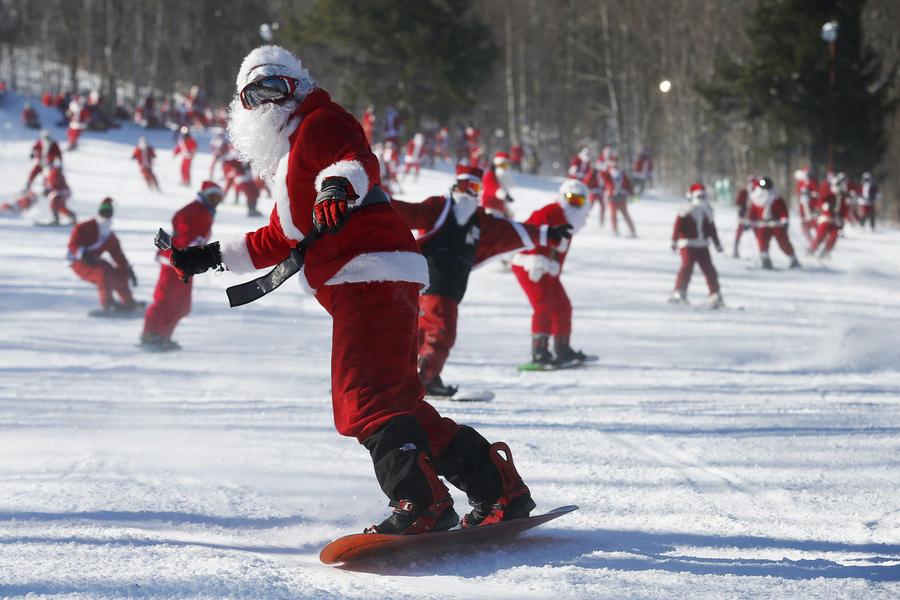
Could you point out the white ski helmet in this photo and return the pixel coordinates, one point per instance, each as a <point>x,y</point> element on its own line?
<point>573,186</point>
<point>266,61</point>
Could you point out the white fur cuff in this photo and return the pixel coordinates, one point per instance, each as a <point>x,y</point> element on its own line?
<point>544,229</point>
<point>353,171</point>
<point>527,244</point>
<point>235,255</point>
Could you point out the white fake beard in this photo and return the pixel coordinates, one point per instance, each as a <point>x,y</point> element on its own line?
<point>104,225</point>
<point>505,177</point>
<point>261,136</point>
<point>464,206</point>
<point>575,215</point>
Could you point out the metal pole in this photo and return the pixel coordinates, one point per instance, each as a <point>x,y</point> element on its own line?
<point>832,52</point>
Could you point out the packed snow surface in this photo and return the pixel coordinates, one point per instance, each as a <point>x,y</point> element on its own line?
<point>746,452</point>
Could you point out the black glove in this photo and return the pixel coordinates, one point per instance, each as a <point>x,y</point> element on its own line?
<point>719,248</point>
<point>508,199</point>
<point>558,233</point>
<point>89,258</point>
<point>132,276</point>
<point>331,209</point>
<point>196,259</point>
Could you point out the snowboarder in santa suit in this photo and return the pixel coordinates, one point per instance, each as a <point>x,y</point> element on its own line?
<point>694,228</point>
<point>457,235</point>
<point>144,154</point>
<point>30,117</point>
<point>806,193</point>
<point>367,272</point>
<point>186,147</point>
<point>58,193</point>
<point>768,215</point>
<point>87,244</point>
<point>834,206</point>
<point>538,271</point>
<point>498,181</point>
<point>869,195</point>
<point>78,122</point>
<point>191,228</point>
<point>44,153</point>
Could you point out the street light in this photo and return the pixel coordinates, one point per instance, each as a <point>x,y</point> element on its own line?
<point>665,85</point>
<point>829,36</point>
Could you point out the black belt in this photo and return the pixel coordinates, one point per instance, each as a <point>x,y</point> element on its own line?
<point>249,291</point>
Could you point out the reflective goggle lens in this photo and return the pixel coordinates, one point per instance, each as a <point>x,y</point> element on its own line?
<point>575,199</point>
<point>268,89</point>
<point>469,187</point>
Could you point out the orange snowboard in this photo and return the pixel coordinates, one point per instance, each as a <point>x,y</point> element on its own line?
<point>361,546</point>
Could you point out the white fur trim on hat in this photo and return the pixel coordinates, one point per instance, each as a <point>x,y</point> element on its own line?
<point>573,186</point>
<point>236,255</point>
<point>353,171</point>
<point>266,61</point>
<point>383,266</point>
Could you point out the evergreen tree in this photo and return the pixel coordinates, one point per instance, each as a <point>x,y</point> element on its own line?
<point>785,82</point>
<point>428,57</point>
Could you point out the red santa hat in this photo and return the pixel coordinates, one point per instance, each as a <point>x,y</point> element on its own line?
<point>266,61</point>
<point>697,192</point>
<point>467,173</point>
<point>501,158</point>
<point>209,188</point>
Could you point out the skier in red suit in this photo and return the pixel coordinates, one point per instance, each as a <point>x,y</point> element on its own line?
<point>186,147</point>
<point>245,183</point>
<point>144,154</point>
<point>58,193</point>
<point>833,210</point>
<point>643,170</point>
<point>806,193</point>
<point>413,158</point>
<point>616,189</point>
<point>580,164</point>
<point>78,122</point>
<point>769,217</point>
<point>498,181</point>
<point>366,271</point>
<point>694,228</point>
<point>869,194</point>
<point>742,203</point>
<point>87,244</point>
<point>44,153</point>
<point>538,271</point>
<point>596,184</point>
<point>455,236</point>
<point>191,228</point>
<point>30,117</point>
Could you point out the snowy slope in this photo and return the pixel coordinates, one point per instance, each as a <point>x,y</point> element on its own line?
<point>750,452</point>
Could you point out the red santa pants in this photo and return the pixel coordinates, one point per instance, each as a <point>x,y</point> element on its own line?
<point>107,278</point>
<point>149,177</point>
<point>616,207</point>
<point>741,228</point>
<point>867,213</point>
<point>597,198</point>
<point>764,236</point>
<point>251,192</point>
<point>552,309</point>
<point>35,171</point>
<point>373,360</point>
<point>826,232</point>
<point>701,257</point>
<point>171,303</point>
<point>437,333</point>
<point>58,203</point>
<point>73,135</point>
<point>186,171</point>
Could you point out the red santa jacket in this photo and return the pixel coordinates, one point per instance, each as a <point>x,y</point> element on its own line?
<point>741,201</point>
<point>187,147</point>
<point>144,156</point>
<point>88,242</point>
<point>191,226</point>
<point>52,156</point>
<point>771,211</point>
<point>643,166</point>
<point>579,167</point>
<point>493,194</point>
<point>545,258</point>
<point>694,227</point>
<point>79,118</point>
<point>833,209</point>
<point>616,183</point>
<point>30,117</point>
<point>54,180</point>
<point>374,245</point>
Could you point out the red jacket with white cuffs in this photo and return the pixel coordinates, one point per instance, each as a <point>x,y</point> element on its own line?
<point>89,241</point>
<point>769,211</point>
<point>694,228</point>
<point>374,244</point>
<point>545,258</point>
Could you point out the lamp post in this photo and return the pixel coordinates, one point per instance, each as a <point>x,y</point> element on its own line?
<point>829,36</point>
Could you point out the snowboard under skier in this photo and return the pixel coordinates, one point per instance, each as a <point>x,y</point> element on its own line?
<point>367,272</point>
<point>455,236</point>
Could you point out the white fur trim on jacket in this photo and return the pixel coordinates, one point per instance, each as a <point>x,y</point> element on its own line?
<point>692,243</point>
<point>527,244</point>
<point>283,201</point>
<point>383,266</point>
<point>537,265</point>
<point>353,171</point>
<point>543,238</point>
<point>235,255</point>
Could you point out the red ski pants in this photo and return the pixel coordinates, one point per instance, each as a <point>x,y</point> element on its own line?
<point>149,177</point>
<point>437,333</point>
<point>58,203</point>
<point>35,171</point>
<point>251,192</point>
<point>597,198</point>
<point>741,228</point>
<point>616,207</point>
<point>764,236</point>
<point>186,171</point>
<point>373,360</point>
<point>828,233</point>
<point>107,278</point>
<point>171,303</point>
<point>701,257</point>
<point>73,135</point>
<point>552,309</point>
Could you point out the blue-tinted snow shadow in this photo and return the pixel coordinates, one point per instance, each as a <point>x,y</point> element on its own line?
<point>642,551</point>
<point>143,517</point>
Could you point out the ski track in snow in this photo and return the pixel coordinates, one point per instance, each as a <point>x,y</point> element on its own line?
<point>749,452</point>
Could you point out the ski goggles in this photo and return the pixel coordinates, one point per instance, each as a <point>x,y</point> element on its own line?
<point>575,199</point>
<point>467,186</point>
<point>268,90</point>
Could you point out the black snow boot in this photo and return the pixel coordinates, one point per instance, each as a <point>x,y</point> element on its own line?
<point>766,261</point>
<point>540,349</point>
<point>795,264</point>
<point>494,487</point>
<point>564,352</point>
<point>436,387</point>
<point>404,470</point>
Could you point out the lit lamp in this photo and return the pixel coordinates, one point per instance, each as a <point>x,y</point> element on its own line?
<point>665,85</point>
